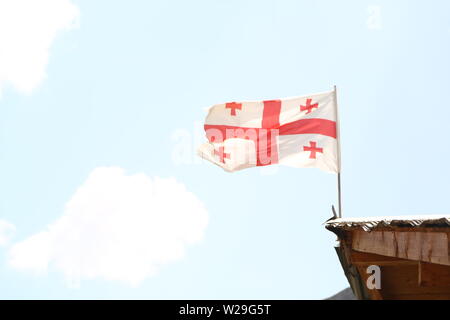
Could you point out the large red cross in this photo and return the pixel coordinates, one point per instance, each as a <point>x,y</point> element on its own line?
<point>309,106</point>
<point>266,136</point>
<point>221,153</point>
<point>313,149</point>
<point>233,106</point>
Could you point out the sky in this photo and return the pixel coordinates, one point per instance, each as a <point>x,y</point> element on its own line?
<point>101,110</point>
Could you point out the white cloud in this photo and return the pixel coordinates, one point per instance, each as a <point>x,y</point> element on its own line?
<point>6,232</point>
<point>27,30</point>
<point>374,21</point>
<point>116,227</point>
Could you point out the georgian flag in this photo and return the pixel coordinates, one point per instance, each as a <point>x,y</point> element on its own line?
<point>298,132</point>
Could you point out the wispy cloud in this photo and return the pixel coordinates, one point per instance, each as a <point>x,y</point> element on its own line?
<point>116,227</point>
<point>27,30</point>
<point>6,232</point>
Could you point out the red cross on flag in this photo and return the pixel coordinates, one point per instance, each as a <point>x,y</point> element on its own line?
<point>298,132</point>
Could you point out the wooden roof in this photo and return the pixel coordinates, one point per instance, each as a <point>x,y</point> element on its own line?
<point>371,223</point>
<point>412,253</point>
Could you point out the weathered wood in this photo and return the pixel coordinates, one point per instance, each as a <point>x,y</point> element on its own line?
<point>403,280</point>
<point>419,246</point>
<point>367,259</point>
<point>400,277</point>
<point>373,293</point>
<point>351,272</point>
<point>419,270</point>
<point>434,275</point>
<point>413,265</point>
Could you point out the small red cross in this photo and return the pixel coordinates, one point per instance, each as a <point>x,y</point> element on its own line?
<point>313,149</point>
<point>233,106</point>
<point>309,106</point>
<point>221,153</point>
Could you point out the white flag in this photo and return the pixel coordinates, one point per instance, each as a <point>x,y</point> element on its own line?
<point>298,132</point>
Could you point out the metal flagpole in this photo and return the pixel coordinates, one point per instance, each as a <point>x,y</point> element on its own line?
<point>338,137</point>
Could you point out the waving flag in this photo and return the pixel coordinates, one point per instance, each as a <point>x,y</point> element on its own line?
<point>298,132</point>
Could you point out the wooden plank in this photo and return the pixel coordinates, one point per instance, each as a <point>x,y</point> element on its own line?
<point>367,259</point>
<point>434,275</point>
<point>403,280</point>
<point>400,277</point>
<point>418,246</point>
<point>373,293</point>
<point>420,272</point>
<point>351,272</point>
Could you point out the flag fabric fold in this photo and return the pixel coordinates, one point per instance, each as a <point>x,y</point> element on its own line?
<point>298,132</point>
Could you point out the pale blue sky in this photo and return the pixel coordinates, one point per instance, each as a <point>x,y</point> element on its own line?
<point>134,72</point>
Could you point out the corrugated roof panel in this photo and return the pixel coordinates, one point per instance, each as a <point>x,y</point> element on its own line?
<point>370,223</point>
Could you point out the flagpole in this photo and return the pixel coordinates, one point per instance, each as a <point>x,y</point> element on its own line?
<point>338,136</point>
